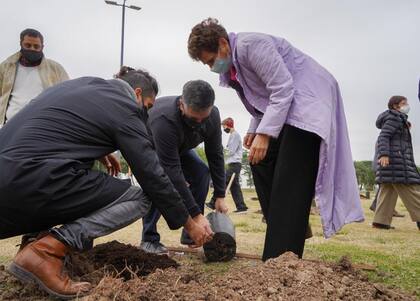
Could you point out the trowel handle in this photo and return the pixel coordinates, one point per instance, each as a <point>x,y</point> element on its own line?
<point>232,177</point>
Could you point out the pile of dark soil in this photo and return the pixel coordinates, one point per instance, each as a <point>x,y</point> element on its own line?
<point>112,259</point>
<point>117,260</point>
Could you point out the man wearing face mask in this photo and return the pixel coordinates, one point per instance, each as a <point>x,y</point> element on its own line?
<point>234,166</point>
<point>26,74</point>
<point>178,125</point>
<point>396,170</point>
<point>48,150</point>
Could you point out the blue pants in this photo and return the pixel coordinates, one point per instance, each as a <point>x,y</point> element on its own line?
<point>197,174</point>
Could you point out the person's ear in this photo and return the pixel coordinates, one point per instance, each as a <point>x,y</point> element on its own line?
<point>224,47</point>
<point>138,92</point>
<point>181,104</point>
<point>223,42</point>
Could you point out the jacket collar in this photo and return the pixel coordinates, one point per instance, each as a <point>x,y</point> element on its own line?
<point>14,59</point>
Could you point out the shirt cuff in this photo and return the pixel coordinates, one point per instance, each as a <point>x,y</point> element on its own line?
<point>194,211</point>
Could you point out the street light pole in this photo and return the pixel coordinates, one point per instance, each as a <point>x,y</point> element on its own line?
<point>123,24</point>
<point>122,35</point>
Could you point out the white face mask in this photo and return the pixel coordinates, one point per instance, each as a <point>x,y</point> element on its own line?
<point>405,109</point>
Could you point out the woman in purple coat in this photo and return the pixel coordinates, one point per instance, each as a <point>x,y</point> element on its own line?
<point>298,140</point>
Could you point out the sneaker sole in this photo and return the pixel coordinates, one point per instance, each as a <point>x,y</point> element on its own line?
<point>241,212</point>
<point>27,277</point>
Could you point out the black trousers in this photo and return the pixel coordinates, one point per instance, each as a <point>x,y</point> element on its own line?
<point>285,185</point>
<point>235,189</point>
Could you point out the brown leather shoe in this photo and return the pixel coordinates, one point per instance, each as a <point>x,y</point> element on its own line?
<point>42,261</point>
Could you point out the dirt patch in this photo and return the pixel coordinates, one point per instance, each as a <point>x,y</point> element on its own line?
<point>283,278</point>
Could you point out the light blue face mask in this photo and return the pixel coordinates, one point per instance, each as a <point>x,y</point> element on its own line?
<point>405,109</point>
<point>221,66</point>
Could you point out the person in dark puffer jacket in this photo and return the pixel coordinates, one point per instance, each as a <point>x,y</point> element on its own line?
<point>396,169</point>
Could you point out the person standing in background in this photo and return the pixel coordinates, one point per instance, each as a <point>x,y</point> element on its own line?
<point>25,74</point>
<point>234,166</point>
<point>396,170</point>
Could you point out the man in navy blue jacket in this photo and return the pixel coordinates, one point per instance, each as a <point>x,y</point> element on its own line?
<point>179,124</point>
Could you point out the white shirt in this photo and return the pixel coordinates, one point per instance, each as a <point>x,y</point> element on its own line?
<point>234,148</point>
<point>27,86</point>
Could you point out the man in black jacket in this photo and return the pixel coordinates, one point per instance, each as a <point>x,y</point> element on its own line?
<point>179,124</point>
<point>48,150</point>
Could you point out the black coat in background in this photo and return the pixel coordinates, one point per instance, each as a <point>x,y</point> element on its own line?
<point>395,142</point>
<point>47,151</point>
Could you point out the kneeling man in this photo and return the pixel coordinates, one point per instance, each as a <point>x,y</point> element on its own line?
<point>48,150</point>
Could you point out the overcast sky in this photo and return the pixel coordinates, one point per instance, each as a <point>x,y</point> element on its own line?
<point>371,47</point>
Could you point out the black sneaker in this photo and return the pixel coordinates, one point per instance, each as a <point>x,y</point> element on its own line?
<point>153,247</point>
<point>210,205</point>
<point>382,226</point>
<point>186,239</point>
<point>241,211</point>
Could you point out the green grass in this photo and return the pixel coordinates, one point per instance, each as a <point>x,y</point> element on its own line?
<point>395,270</point>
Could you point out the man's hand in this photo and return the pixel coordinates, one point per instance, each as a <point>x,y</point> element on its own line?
<point>221,206</point>
<point>384,161</point>
<point>112,164</point>
<point>248,140</point>
<point>259,148</point>
<point>197,232</point>
<point>204,222</point>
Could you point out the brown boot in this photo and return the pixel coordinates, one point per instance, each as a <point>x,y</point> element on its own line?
<point>42,261</point>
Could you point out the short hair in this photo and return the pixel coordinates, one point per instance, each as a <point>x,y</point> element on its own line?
<point>205,37</point>
<point>395,100</point>
<point>139,79</point>
<point>198,95</point>
<point>228,122</point>
<point>32,33</point>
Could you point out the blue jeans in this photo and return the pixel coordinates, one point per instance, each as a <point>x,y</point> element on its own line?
<point>197,174</point>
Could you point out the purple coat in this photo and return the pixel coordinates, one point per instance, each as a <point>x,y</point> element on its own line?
<point>290,87</point>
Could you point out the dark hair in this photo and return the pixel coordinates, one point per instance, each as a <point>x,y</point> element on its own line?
<point>32,33</point>
<point>198,95</point>
<point>139,79</point>
<point>205,36</point>
<point>395,100</point>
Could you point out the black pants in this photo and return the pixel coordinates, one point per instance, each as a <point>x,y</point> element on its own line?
<point>197,175</point>
<point>285,185</point>
<point>235,189</point>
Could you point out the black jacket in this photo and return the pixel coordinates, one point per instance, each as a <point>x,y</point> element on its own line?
<point>47,151</point>
<point>173,137</point>
<point>394,141</point>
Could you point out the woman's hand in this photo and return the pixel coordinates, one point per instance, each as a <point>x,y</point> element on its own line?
<point>384,161</point>
<point>259,148</point>
<point>248,140</point>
